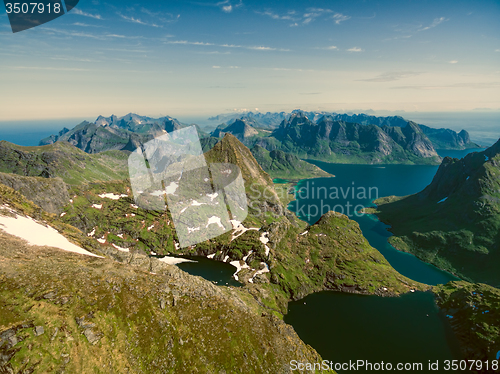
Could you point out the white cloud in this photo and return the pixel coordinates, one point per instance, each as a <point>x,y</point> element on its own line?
<point>310,15</point>
<point>497,50</point>
<point>227,7</point>
<point>436,22</point>
<point>216,67</point>
<point>79,12</point>
<point>331,48</point>
<point>255,48</point>
<point>137,20</point>
<point>355,49</point>
<point>339,17</point>
<point>453,62</point>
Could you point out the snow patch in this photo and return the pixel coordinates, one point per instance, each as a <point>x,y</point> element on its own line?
<point>174,260</point>
<point>36,234</point>
<point>102,240</point>
<point>92,233</point>
<point>97,206</point>
<point>134,206</point>
<point>192,229</point>
<point>265,270</point>
<point>214,219</point>
<point>305,232</point>
<point>195,203</point>
<point>62,214</point>
<point>212,196</point>
<point>211,256</point>
<point>111,196</point>
<point>150,227</point>
<point>264,240</point>
<point>238,266</point>
<point>120,248</point>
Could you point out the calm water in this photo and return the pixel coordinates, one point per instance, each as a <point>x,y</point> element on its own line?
<point>343,327</point>
<point>29,133</point>
<point>212,270</point>
<point>368,182</point>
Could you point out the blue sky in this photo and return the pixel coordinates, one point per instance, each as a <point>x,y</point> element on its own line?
<point>196,58</point>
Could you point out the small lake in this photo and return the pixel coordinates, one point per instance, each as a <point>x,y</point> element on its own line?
<point>343,327</point>
<point>218,272</point>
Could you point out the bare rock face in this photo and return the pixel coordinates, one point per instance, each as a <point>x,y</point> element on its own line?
<point>51,194</point>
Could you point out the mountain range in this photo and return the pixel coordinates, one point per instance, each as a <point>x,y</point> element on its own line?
<point>116,133</point>
<point>346,142</point>
<point>440,138</point>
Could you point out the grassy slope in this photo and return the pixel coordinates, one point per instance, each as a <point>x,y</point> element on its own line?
<point>474,313</point>
<point>134,321</point>
<point>62,160</point>
<point>284,165</point>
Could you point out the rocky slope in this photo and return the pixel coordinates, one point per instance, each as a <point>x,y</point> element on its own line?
<point>62,160</point>
<point>66,312</point>
<point>115,133</point>
<point>454,222</point>
<point>338,141</point>
<point>51,194</point>
<point>240,128</point>
<point>474,314</point>
<point>448,139</point>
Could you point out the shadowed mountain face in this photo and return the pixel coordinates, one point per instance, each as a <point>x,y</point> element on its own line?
<point>454,222</point>
<point>339,141</point>
<point>239,128</point>
<point>115,133</point>
<point>440,138</point>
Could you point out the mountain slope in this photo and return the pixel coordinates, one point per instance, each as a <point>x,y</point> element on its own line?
<point>284,165</point>
<point>239,128</point>
<point>473,312</point>
<point>454,222</point>
<point>440,138</point>
<point>448,139</point>
<point>337,141</point>
<point>116,133</point>
<point>51,194</point>
<point>74,313</point>
<point>62,160</point>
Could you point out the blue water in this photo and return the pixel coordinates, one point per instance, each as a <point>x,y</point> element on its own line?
<point>343,327</point>
<point>29,133</point>
<point>220,273</point>
<point>375,181</point>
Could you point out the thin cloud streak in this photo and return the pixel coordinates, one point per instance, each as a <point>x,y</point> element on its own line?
<point>436,22</point>
<point>391,76</point>
<point>81,13</point>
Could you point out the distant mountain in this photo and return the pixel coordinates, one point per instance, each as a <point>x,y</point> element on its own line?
<point>239,128</point>
<point>454,222</point>
<point>440,138</point>
<point>284,165</point>
<point>62,160</point>
<point>267,121</point>
<point>338,141</point>
<point>448,139</point>
<point>116,133</point>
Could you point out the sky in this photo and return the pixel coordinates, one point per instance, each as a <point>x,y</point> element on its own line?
<point>200,58</point>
